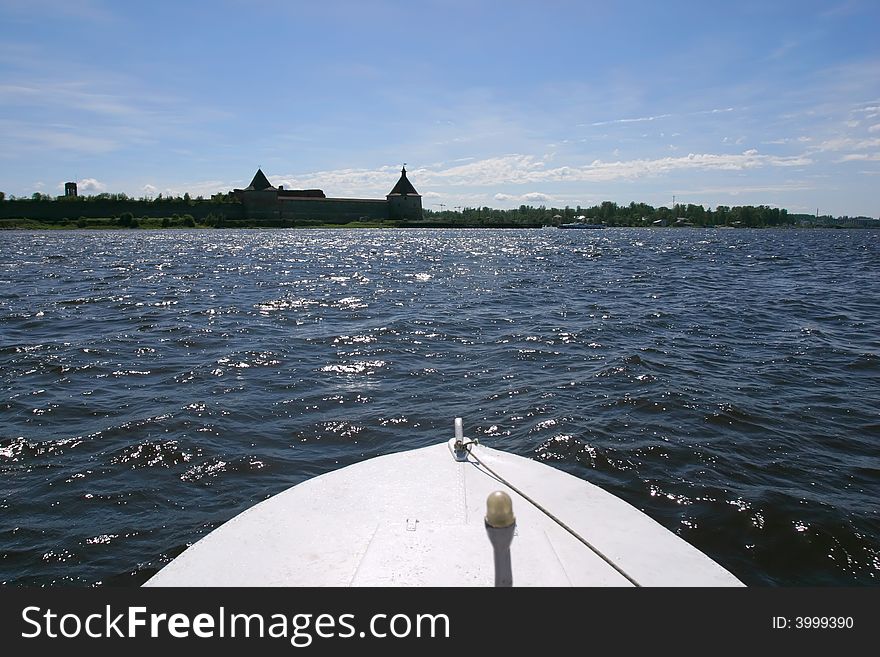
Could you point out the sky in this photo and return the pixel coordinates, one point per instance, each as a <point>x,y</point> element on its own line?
<point>488,103</point>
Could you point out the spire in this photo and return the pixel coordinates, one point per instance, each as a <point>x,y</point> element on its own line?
<point>260,182</point>
<point>404,187</point>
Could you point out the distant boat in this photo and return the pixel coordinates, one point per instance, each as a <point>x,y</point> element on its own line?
<point>581,224</point>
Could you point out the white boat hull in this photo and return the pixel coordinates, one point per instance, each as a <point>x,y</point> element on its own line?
<point>416,518</point>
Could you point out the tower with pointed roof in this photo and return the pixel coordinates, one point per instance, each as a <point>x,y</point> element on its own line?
<point>260,198</point>
<point>404,202</point>
<point>259,183</point>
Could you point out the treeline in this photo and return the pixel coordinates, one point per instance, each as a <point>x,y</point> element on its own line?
<point>612,214</point>
<point>121,197</point>
<point>225,211</point>
<point>75,211</point>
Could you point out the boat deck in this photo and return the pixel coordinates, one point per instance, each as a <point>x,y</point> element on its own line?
<point>416,518</point>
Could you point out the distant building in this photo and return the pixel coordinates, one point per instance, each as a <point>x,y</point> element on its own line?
<point>70,189</point>
<point>262,200</point>
<point>404,202</point>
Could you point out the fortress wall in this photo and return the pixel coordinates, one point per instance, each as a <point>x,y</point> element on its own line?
<point>340,210</point>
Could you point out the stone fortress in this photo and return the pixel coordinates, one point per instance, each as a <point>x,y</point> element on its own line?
<point>262,200</point>
<point>260,204</point>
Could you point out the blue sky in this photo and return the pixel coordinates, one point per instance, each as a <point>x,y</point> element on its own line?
<point>489,103</point>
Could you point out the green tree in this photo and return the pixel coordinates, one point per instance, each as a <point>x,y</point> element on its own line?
<point>608,210</point>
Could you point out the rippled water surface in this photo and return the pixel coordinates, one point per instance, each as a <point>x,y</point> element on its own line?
<point>154,384</point>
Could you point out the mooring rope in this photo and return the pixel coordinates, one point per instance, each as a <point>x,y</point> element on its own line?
<point>467,445</point>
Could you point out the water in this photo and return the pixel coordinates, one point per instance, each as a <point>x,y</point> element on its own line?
<point>154,384</point>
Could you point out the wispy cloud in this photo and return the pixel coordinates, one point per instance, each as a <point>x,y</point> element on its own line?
<point>19,136</point>
<point>523,169</point>
<point>640,119</point>
<point>870,112</point>
<point>77,9</point>
<point>860,157</point>
<point>644,119</point>
<point>340,182</point>
<point>848,143</point>
<point>93,113</point>
<point>108,97</point>
<point>789,140</point>
<point>784,49</point>
<point>840,9</point>
<point>70,95</point>
<point>520,169</point>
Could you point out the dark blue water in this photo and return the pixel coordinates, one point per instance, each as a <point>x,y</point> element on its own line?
<point>154,384</point>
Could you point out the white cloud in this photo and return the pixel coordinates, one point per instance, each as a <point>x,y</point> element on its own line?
<point>525,169</point>
<point>843,143</point>
<point>874,128</point>
<point>789,140</point>
<point>640,119</point>
<point>750,159</point>
<point>340,182</point>
<point>529,198</point>
<point>437,180</point>
<point>860,157</point>
<point>506,170</point>
<point>643,119</point>
<point>91,185</point>
<point>513,169</point>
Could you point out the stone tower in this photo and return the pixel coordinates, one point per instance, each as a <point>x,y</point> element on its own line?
<point>404,202</point>
<point>260,198</point>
